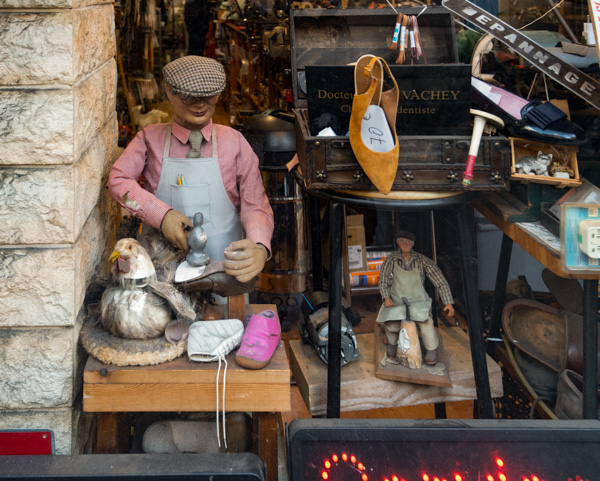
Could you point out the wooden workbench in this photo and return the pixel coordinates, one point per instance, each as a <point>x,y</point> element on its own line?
<point>182,385</point>
<point>361,390</point>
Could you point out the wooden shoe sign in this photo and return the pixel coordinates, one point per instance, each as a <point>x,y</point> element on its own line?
<point>569,77</point>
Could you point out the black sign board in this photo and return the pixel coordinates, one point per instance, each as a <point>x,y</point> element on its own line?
<point>434,99</point>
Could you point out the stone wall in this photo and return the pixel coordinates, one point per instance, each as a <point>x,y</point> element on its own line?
<point>57,142</point>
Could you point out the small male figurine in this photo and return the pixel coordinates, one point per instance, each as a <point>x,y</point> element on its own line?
<point>406,303</point>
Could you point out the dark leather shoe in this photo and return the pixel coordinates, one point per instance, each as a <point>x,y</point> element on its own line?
<point>532,120</point>
<point>431,357</point>
<point>569,401</point>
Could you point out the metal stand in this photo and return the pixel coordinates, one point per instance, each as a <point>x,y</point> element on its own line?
<point>336,200</point>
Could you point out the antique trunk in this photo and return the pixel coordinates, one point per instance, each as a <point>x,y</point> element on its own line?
<point>433,113</point>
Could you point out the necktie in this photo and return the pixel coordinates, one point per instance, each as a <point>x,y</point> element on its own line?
<point>195,141</point>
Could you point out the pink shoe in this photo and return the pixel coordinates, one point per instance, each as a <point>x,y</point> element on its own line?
<point>260,340</point>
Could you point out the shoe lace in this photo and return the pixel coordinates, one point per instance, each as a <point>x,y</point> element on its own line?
<point>221,358</point>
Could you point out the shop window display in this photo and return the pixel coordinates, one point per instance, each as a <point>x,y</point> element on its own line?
<point>310,66</point>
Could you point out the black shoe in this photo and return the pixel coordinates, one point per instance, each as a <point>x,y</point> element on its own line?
<point>431,357</point>
<point>534,120</point>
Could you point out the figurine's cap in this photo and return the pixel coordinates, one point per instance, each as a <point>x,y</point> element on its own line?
<point>195,76</point>
<point>404,234</point>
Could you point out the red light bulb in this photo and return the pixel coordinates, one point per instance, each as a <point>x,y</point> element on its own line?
<point>360,466</point>
<point>489,477</point>
<point>325,475</point>
<point>364,477</point>
<point>535,478</point>
<point>335,458</point>
<point>344,457</point>
<point>436,479</point>
<point>353,459</point>
<point>425,477</point>
<point>327,464</point>
<point>502,477</point>
<point>457,477</point>
<point>394,478</point>
<point>499,462</point>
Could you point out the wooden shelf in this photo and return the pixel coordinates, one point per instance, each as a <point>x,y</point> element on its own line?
<point>497,209</point>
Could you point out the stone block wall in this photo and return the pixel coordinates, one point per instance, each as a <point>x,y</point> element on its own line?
<point>58,136</point>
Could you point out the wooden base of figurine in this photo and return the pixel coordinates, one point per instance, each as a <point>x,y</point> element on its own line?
<point>386,368</point>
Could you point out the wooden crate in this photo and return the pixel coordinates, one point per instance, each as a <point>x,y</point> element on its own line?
<point>426,163</point>
<point>563,154</point>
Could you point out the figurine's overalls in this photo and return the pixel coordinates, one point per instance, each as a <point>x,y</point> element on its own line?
<point>408,284</point>
<point>204,192</point>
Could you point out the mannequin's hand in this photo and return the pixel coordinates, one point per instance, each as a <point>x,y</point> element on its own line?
<point>387,302</point>
<point>244,259</point>
<point>449,310</point>
<point>172,228</point>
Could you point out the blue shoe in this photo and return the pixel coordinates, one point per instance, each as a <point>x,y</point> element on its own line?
<point>534,120</point>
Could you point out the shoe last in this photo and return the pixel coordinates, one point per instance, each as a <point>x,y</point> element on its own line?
<point>380,167</point>
<point>260,340</point>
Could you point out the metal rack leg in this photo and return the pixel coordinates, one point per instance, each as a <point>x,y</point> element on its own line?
<point>315,240</point>
<point>501,279</point>
<point>590,348</point>
<point>482,382</point>
<point>335,310</point>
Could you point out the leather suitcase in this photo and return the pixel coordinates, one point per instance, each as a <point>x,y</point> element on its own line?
<point>337,37</point>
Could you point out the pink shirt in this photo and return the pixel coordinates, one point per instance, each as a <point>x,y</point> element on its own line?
<point>237,161</point>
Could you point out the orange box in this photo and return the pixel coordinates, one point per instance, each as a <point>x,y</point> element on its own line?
<point>364,278</point>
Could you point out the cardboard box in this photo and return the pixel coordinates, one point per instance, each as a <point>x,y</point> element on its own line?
<point>357,249</point>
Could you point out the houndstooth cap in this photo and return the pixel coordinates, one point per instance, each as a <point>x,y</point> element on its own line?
<point>195,76</point>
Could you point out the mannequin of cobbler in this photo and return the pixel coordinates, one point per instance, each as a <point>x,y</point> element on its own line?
<point>406,309</point>
<point>191,165</point>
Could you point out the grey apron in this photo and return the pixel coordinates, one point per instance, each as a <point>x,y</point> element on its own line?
<point>406,284</point>
<point>203,191</point>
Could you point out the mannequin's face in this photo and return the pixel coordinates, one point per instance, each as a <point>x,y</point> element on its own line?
<point>405,245</point>
<point>193,113</point>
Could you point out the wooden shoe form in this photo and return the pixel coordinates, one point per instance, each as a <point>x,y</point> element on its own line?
<point>380,167</point>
